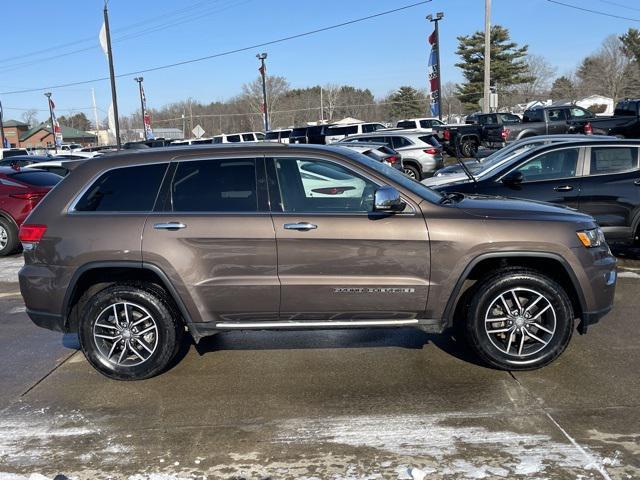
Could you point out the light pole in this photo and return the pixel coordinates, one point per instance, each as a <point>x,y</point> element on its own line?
<point>439,16</point>
<point>144,127</point>
<point>486,103</point>
<point>263,74</point>
<point>53,127</point>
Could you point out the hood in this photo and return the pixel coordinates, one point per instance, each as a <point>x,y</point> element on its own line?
<point>515,209</point>
<point>457,177</point>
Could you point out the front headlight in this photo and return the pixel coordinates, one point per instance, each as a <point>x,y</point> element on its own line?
<point>591,238</point>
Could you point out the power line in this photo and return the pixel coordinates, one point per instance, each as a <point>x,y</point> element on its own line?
<point>597,12</point>
<point>620,5</point>
<point>221,54</point>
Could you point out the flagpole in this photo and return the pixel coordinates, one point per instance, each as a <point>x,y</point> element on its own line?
<point>95,116</point>
<point>2,137</point>
<point>144,126</point>
<point>53,126</point>
<point>112,76</point>
<point>263,74</point>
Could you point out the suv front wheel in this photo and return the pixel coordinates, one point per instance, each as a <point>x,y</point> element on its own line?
<point>130,331</point>
<point>519,319</point>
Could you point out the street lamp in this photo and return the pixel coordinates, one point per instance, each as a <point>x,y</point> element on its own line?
<point>144,129</point>
<point>263,74</point>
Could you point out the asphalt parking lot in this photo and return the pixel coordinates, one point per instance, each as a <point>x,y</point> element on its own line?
<point>381,403</point>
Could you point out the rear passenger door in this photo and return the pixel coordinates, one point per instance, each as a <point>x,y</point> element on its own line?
<point>212,234</point>
<point>611,189</point>
<point>557,121</point>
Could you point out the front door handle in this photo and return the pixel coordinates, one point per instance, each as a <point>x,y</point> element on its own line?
<point>169,226</point>
<point>637,182</point>
<point>303,226</point>
<point>563,188</point>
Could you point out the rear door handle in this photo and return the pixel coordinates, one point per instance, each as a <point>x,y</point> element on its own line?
<point>303,226</point>
<point>563,188</point>
<point>169,226</point>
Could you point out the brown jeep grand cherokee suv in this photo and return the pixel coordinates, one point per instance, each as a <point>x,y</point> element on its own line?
<point>134,250</point>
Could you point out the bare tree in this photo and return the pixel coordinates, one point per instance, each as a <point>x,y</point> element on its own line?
<point>331,94</point>
<point>252,97</point>
<point>541,72</point>
<point>450,103</point>
<point>30,117</point>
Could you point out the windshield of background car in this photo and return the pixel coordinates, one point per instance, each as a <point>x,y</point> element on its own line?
<point>623,109</point>
<point>398,177</point>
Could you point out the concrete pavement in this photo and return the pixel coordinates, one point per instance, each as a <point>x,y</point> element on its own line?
<point>381,403</point>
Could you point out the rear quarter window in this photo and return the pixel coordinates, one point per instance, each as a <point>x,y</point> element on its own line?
<point>613,160</point>
<point>127,189</point>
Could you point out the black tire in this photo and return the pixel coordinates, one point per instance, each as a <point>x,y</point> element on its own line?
<point>412,172</point>
<point>8,234</point>
<point>143,299</point>
<point>469,148</point>
<point>500,350</point>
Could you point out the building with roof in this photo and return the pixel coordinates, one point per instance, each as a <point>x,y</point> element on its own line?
<point>41,136</point>
<point>13,129</point>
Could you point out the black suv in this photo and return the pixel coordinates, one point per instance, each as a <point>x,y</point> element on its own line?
<point>597,177</point>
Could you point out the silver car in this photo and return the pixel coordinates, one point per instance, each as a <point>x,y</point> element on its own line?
<point>421,152</point>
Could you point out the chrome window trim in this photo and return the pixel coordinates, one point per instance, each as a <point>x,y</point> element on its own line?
<point>579,166</point>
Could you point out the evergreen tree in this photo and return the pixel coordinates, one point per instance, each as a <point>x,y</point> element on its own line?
<point>407,102</point>
<point>631,44</point>
<point>508,67</point>
<point>563,89</point>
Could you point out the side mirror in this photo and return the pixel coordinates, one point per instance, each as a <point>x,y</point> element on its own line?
<point>513,178</point>
<point>387,199</point>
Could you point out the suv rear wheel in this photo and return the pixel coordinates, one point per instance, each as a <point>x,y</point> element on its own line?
<point>519,319</point>
<point>130,331</point>
<point>8,238</point>
<point>411,171</point>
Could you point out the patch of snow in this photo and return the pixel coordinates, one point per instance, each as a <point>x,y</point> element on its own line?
<point>9,267</point>
<point>624,274</point>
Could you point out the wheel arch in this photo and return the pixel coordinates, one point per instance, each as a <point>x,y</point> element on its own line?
<point>7,216</point>
<point>95,276</point>
<point>546,263</point>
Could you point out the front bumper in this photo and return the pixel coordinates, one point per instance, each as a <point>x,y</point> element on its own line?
<point>50,321</point>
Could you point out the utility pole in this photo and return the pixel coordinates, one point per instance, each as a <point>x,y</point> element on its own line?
<point>2,137</point>
<point>321,106</point>
<point>439,16</point>
<point>263,74</point>
<point>486,104</point>
<point>144,127</point>
<point>53,127</point>
<point>114,96</point>
<point>95,115</point>
<point>184,125</point>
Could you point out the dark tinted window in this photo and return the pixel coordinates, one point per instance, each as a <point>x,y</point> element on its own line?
<point>272,136</point>
<point>128,189</point>
<point>371,127</point>
<point>508,118</point>
<point>557,114</point>
<point>248,137</point>
<point>13,153</point>
<point>488,119</point>
<point>430,139</point>
<point>299,132</point>
<point>233,138</point>
<point>350,130</point>
<point>406,124</point>
<point>613,159</point>
<point>217,140</point>
<point>215,186</point>
<point>285,134</point>
<point>202,141</point>
<point>536,115</point>
<point>625,108</point>
<point>399,142</point>
<point>429,123</point>
<point>37,179</point>
<point>552,165</point>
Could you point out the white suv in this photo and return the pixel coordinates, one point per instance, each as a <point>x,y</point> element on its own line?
<point>425,123</point>
<point>336,133</point>
<point>421,152</point>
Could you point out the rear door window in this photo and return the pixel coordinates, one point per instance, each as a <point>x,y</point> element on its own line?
<point>399,142</point>
<point>551,165</point>
<point>233,138</point>
<point>247,137</point>
<point>220,185</point>
<point>557,115</point>
<point>613,159</point>
<point>535,115</point>
<point>127,189</point>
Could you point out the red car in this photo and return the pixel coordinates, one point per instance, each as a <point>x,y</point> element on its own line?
<point>20,192</point>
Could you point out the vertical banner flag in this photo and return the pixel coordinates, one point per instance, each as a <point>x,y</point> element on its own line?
<point>55,128</point>
<point>146,116</point>
<point>434,73</point>
<point>263,71</point>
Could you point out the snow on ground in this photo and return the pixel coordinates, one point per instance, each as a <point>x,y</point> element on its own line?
<point>9,268</point>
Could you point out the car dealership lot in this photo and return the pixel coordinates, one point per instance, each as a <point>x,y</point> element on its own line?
<point>323,404</point>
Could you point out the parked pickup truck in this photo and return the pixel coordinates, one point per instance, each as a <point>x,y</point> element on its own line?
<point>479,129</point>
<point>625,122</point>
<point>544,121</point>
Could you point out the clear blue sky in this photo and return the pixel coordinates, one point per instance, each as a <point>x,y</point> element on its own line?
<point>379,54</point>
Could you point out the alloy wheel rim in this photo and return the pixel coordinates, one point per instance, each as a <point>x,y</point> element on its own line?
<point>4,238</point>
<point>520,322</point>
<point>409,173</point>
<point>125,334</point>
